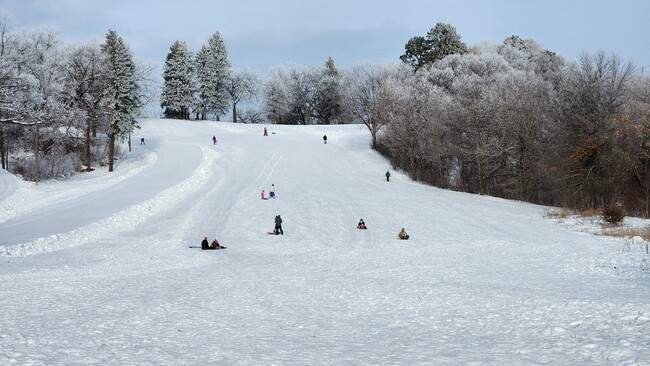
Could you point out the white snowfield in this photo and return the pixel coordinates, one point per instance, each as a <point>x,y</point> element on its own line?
<point>96,270</point>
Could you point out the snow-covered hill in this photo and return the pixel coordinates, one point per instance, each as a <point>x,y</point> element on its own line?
<point>97,269</point>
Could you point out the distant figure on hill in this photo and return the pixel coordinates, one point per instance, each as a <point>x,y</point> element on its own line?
<point>266,132</point>
<point>272,191</point>
<point>403,235</point>
<point>142,141</point>
<point>278,226</point>
<point>325,139</point>
<point>214,140</point>
<point>362,225</point>
<point>387,176</point>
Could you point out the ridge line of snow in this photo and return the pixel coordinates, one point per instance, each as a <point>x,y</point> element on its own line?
<point>118,222</point>
<point>15,205</point>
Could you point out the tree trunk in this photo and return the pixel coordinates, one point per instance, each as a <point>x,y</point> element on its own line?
<point>234,112</point>
<point>87,147</point>
<point>2,150</point>
<point>111,149</point>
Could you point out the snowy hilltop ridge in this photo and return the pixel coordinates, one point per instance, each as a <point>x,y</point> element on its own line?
<point>99,269</point>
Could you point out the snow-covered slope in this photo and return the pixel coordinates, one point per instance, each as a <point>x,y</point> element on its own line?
<point>97,270</point>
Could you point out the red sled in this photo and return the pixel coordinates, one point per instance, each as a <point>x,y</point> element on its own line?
<point>271,233</point>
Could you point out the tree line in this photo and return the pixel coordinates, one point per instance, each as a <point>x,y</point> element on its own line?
<point>65,108</point>
<point>509,119</point>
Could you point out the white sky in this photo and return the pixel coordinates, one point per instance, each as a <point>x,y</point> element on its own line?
<point>262,34</point>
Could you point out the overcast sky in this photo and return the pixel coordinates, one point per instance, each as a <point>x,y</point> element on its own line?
<point>261,34</point>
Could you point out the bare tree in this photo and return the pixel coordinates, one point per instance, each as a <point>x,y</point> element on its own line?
<point>241,85</point>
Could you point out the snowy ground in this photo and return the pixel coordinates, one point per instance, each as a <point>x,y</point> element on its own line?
<point>97,269</point>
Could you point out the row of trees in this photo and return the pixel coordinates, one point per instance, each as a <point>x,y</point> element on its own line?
<point>63,107</point>
<point>512,120</point>
<point>204,84</point>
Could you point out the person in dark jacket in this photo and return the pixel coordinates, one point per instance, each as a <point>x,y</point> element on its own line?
<point>204,244</point>
<point>325,139</point>
<point>278,226</point>
<point>362,225</point>
<point>387,176</point>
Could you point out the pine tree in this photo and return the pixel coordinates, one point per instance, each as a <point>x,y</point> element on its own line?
<point>178,91</point>
<point>328,97</point>
<point>440,41</point>
<point>121,93</point>
<point>212,72</point>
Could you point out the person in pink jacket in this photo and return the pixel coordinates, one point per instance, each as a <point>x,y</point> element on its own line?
<point>263,195</point>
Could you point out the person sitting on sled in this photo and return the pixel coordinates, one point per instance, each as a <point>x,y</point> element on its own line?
<point>263,195</point>
<point>403,235</point>
<point>362,225</point>
<point>204,244</point>
<point>215,244</point>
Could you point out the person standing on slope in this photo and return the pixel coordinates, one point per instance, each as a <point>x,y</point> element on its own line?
<point>278,226</point>
<point>214,140</point>
<point>266,132</point>
<point>387,176</point>
<point>325,139</point>
<point>272,191</point>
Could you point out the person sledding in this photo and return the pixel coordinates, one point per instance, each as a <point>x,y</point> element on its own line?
<point>278,226</point>
<point>207,246</point>
<point>272,191</point>
<point>263,197</point>
<point>215,245</point>
<point>361,225</point>
<point>266,132</point>
<point>403,235</point>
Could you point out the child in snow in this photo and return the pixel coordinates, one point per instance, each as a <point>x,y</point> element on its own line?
<point>266,133</point>
<point>263,195</point>
<point>387,176</point>
<point>272,191</point>
<point>362,225</point>
<point>403,235</point>
<point>215,245</point>
<point>214,140</point>
<point>325,139</point>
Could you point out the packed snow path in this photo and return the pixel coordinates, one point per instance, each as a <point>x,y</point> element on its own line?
<point>481,281</point>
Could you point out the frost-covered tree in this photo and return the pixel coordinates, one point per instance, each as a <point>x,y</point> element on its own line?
<point>327,103</point>
<point>84,91</point>
<point>593,98</point>
<point>177,96</point>
<point>212,70</point>
<point>371,97</point>
<point>440,41</point>
<point>276,97</point>
<point>241,85</point>
<point>121,95</point>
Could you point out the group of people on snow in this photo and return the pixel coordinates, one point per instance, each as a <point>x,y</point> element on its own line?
<point>207,246</point>
<point>278,220</point>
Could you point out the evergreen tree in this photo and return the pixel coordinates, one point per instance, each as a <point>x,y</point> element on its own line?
<point>328,97</point>
<point>177,96</point>
<point>213,70</point>
<point>440,41</point>
<point>121,91</point>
